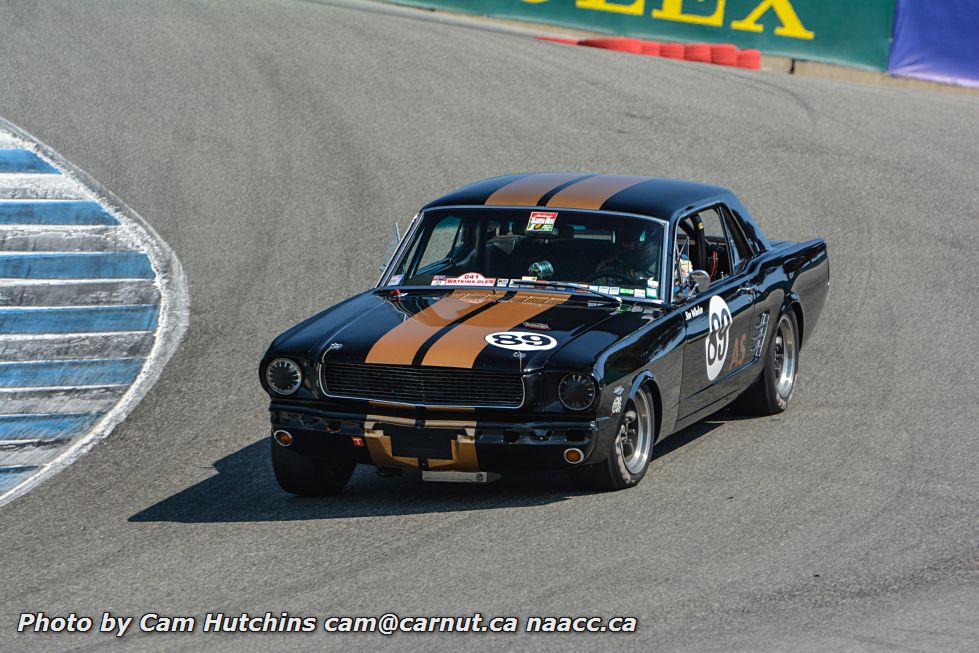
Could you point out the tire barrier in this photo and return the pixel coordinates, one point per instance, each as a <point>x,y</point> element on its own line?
<point>651,48</point>
<point>622,44</point>
<point>750,59</point>
<point>724,54</point>
<point>721,54</point>
<point>699,52</point>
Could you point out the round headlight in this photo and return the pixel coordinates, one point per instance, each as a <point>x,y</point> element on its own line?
<point>576,391</point>
<point>283,376</point>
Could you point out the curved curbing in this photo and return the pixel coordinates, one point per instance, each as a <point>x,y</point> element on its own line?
<point>93,303</point>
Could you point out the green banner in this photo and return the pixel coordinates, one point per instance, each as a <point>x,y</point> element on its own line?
<point>849,32</point>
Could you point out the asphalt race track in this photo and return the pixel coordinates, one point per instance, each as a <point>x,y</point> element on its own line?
<point>273,144</point>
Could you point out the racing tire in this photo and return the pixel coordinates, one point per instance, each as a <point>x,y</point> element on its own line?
<point>631,449</point>
<point>773,391</point>
<point>310,476</point>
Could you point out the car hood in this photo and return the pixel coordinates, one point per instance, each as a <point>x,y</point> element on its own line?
<point>482,329</point>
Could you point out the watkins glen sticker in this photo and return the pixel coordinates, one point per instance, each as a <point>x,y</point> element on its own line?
<point>541,221</point>
<point>521,340</point>
<point>717,338</point>
<point>467,279</point>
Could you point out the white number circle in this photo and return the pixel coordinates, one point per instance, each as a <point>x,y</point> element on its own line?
<point>521,340</point>
<point>717,338</point>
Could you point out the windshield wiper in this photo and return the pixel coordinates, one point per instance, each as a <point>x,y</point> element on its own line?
<point>562,284</point>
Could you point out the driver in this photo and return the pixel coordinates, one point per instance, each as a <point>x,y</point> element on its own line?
<point>635,257</point>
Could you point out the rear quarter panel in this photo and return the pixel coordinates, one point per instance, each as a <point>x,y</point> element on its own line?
<point>795,272</point>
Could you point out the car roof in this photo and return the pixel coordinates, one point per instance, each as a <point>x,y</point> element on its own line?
<point>651,196</point>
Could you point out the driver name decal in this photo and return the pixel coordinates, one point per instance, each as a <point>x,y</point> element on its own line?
<point>717,338</point>
<point>521,340</point>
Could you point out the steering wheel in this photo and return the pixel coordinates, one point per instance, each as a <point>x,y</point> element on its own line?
<point>610,279</point>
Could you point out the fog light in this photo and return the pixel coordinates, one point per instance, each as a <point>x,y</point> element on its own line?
<point>573,456</point>
<point>283,437</point>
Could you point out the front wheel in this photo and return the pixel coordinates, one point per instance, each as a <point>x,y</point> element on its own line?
<point>310,476</point>
<point>772,392</point>
<point>632,450</point>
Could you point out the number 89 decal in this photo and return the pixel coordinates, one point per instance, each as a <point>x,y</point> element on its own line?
<point>718,338</point>
<point>520,340</point>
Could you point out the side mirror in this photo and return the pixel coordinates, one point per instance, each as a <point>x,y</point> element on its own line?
<point>698,281</point>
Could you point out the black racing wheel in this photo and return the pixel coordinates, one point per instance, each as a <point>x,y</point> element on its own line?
<point>771,393</point>
<point>631,450</point>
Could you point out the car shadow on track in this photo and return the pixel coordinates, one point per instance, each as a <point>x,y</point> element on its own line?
<point>244,490</point>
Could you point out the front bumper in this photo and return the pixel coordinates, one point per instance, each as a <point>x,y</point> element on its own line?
<point>467,444</point>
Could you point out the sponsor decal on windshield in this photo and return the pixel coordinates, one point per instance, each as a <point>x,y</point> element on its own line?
<point>541,221</point>
<point>467,279</point>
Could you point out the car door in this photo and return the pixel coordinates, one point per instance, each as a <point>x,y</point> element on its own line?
<point>719,321</point>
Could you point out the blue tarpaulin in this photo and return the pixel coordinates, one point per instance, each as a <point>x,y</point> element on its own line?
<point>937,40</point>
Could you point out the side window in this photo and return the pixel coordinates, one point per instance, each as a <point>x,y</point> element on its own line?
<point>441,242</point>
<point>685,251</point>
<point>716,259</point>
<point>737,243</point>
<point>750,233</point>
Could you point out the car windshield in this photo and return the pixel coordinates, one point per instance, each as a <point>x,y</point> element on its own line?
<point>613,254</point>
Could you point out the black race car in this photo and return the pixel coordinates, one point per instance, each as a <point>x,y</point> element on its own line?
<point>545,321</point>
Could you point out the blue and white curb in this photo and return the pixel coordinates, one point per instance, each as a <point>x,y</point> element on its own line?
<point>92,305</point>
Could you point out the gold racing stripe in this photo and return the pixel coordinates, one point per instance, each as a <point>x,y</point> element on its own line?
<point>528,190</point>
<point>592,192</point>
<point>399,345</point>
<point>460,346</point>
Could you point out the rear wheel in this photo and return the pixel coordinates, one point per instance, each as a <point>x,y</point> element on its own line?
<point>632,449</point>
<point>771,393</point>
<point>309,476</point>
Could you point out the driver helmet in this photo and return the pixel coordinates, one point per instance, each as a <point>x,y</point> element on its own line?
<point>637,247</point>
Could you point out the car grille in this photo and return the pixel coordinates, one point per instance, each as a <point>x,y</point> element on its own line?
<point>428,386</point>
